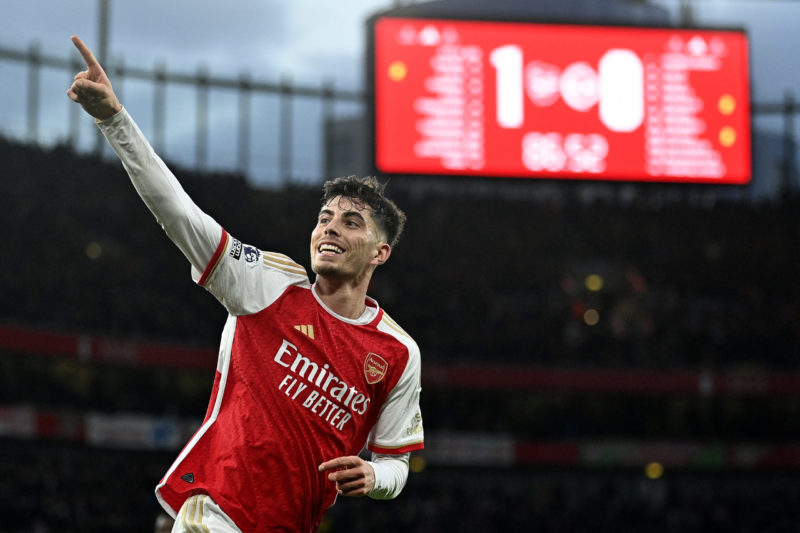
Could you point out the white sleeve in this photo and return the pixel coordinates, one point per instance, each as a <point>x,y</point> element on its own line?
<point>399,426</point>
<point>242,277</point>
<point>245,279</point>
<point>391,473</point>
<point>195,233</point>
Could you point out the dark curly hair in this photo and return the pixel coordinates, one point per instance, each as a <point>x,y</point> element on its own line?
<point>368,190</point>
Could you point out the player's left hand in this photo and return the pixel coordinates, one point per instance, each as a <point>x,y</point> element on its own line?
<point>353,475</point>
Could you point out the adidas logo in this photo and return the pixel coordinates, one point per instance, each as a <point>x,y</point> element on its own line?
<point>307,330</point>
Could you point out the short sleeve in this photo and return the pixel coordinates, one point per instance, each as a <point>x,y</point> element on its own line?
<point>399,426</point>
<point>246,279</point>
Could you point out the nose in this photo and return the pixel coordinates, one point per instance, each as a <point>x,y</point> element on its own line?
<point>330,229</point>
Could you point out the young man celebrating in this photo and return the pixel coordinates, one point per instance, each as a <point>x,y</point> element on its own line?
<point>307,374</point>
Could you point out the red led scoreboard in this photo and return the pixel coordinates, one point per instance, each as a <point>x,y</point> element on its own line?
<point>510,99</point>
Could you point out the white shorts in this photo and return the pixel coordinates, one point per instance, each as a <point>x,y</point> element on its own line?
<point>201,514</point>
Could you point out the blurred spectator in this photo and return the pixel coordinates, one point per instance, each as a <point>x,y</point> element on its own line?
<point>164,523</point>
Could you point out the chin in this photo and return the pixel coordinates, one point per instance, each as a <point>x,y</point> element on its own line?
<point>325,269</point>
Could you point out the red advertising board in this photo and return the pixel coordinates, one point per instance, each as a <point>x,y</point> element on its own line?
<point>530,100</point>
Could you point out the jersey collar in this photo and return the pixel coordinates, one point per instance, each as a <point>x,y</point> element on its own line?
<point>370,312</point>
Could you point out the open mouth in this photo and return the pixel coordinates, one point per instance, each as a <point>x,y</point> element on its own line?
<point>329,249</point>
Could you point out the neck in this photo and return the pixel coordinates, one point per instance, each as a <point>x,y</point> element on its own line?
<point>344,299</point>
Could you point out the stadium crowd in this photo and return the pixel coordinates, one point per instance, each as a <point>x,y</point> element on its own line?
<point>53,384</point>
<point>476,278</point>
<point>69,489</point>
<point>678,286</point>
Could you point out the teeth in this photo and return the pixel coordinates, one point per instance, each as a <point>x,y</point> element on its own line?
<point>330,248</point>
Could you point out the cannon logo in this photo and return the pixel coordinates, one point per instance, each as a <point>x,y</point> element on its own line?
<point>375,368</point>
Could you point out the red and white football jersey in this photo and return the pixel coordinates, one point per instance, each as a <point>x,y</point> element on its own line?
<point>296,385</point>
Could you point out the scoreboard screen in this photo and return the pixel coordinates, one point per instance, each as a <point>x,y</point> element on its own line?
<point>530,100</point>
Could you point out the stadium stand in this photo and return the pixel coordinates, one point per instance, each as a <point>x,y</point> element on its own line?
<point>683,286</point>
<point>680,289</point>
<point>69,489</point>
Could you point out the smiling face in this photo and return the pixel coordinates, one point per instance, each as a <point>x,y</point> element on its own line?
<point>346,243</point>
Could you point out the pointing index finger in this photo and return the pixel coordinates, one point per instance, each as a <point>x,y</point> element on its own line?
<point>339,462</point>
<point>88,56</point>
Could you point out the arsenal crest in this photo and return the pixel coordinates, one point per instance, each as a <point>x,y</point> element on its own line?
<point>375,368</point>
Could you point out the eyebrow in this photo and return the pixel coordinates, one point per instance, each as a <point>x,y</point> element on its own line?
<point>345,214</point>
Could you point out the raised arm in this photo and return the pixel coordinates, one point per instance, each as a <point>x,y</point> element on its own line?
<point>195,233</point>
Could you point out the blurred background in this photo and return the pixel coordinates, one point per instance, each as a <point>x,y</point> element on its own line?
<point>597,356</point>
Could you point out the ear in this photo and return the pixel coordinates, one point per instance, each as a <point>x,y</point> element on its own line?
<point>382,254</point>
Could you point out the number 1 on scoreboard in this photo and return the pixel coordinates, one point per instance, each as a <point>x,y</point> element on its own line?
<point>507,60</point>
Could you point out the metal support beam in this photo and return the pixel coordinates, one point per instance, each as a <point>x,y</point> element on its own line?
<point>103,8</point>
<point>34,82</point>
<point>243,140</point>
<point>201,140</point>
<point>285,133</point>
